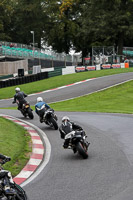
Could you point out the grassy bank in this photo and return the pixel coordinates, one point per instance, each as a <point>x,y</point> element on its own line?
<point>15,142</point>
<point>58,81</point>
<point>118,99</point>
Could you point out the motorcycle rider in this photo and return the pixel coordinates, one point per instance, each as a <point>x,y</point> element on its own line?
<point>66,127</point>
<point>39,104</point>
<point>20,97</point>
<point>6,175</point>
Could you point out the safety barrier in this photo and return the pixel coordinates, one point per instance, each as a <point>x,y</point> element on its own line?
<point>68,70</point>
<point>116,66</point>
<point>23,80</point>
<point>84,68</point>
<point>106,66</point>
<point>6,76</point>
<point>80,69</point>
<point>99,67</point>
<point>90,68</point>
<point>57,72</point>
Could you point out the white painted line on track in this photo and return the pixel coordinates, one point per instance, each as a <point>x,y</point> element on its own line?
<point>93,92</point>
<point>69,85</point>
<point>54,89</point>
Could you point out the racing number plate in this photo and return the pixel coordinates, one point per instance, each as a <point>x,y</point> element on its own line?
<point>27,106</point>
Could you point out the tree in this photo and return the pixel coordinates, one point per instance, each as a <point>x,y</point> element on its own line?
<point>118,19</point>
<point>66,24</point>
<point>110,22</point>
<point>60,26</point>
<point>28,16</point>
<point>6,10</point>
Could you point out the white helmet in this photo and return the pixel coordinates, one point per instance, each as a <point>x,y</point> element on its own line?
<point>39,99</point>
<point>65,118</point>
<point>17,89</point>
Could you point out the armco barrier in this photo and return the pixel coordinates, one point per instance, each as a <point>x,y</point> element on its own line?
<point>23,80</point>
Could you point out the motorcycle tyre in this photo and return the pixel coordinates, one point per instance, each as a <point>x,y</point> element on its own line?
<point>81,150</point>
<point>21,195</point>
<point>53,121</point>
<point>30,114</point>
<point>23,113</point>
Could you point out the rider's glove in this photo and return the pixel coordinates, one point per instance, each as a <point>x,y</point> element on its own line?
<point>7,158</point>
<point>13,102</point>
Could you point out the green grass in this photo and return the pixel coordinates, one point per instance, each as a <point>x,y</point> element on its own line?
<point>118,99</point>
<point>58,81</point>
<point>15,142</point>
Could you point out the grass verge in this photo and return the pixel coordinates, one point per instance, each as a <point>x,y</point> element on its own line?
<point>118,99</point>
<point>58,81</point>
<point>16,143</point>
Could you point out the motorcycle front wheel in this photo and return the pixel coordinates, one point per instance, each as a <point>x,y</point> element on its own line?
<point>53,121</point>
<point>21,195</point>
<point>82,150</point>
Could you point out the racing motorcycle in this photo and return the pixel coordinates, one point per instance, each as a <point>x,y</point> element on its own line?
<point>17,194</point>
<point>49,117</point>
<point>26,110</point>
<point>78,143</point>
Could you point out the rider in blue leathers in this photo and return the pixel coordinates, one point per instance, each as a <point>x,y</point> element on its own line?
<point>39,104</point>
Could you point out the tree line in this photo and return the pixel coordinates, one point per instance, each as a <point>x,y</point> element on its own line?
<point>66,24</point>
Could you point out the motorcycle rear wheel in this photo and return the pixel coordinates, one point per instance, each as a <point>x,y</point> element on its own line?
<point>53,121</point>
<point>82,150</point>
<point>30,114</point>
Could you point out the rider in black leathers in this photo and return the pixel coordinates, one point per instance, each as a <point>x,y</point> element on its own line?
<point>6,175</point>
<point>20,96</point>
<point>66,127</point>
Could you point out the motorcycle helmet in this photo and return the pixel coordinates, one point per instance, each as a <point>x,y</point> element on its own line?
<point>17,89</point>
<point>65,118</point>
<point>39,99</point>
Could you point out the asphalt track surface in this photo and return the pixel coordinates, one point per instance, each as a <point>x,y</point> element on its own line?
<point>76,90</point>
<point>107,173</point>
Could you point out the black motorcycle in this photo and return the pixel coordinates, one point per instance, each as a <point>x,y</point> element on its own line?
<point>26,110</point>
<point>78,143</point>
<point>48,116</point>
<point>17,192</point>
